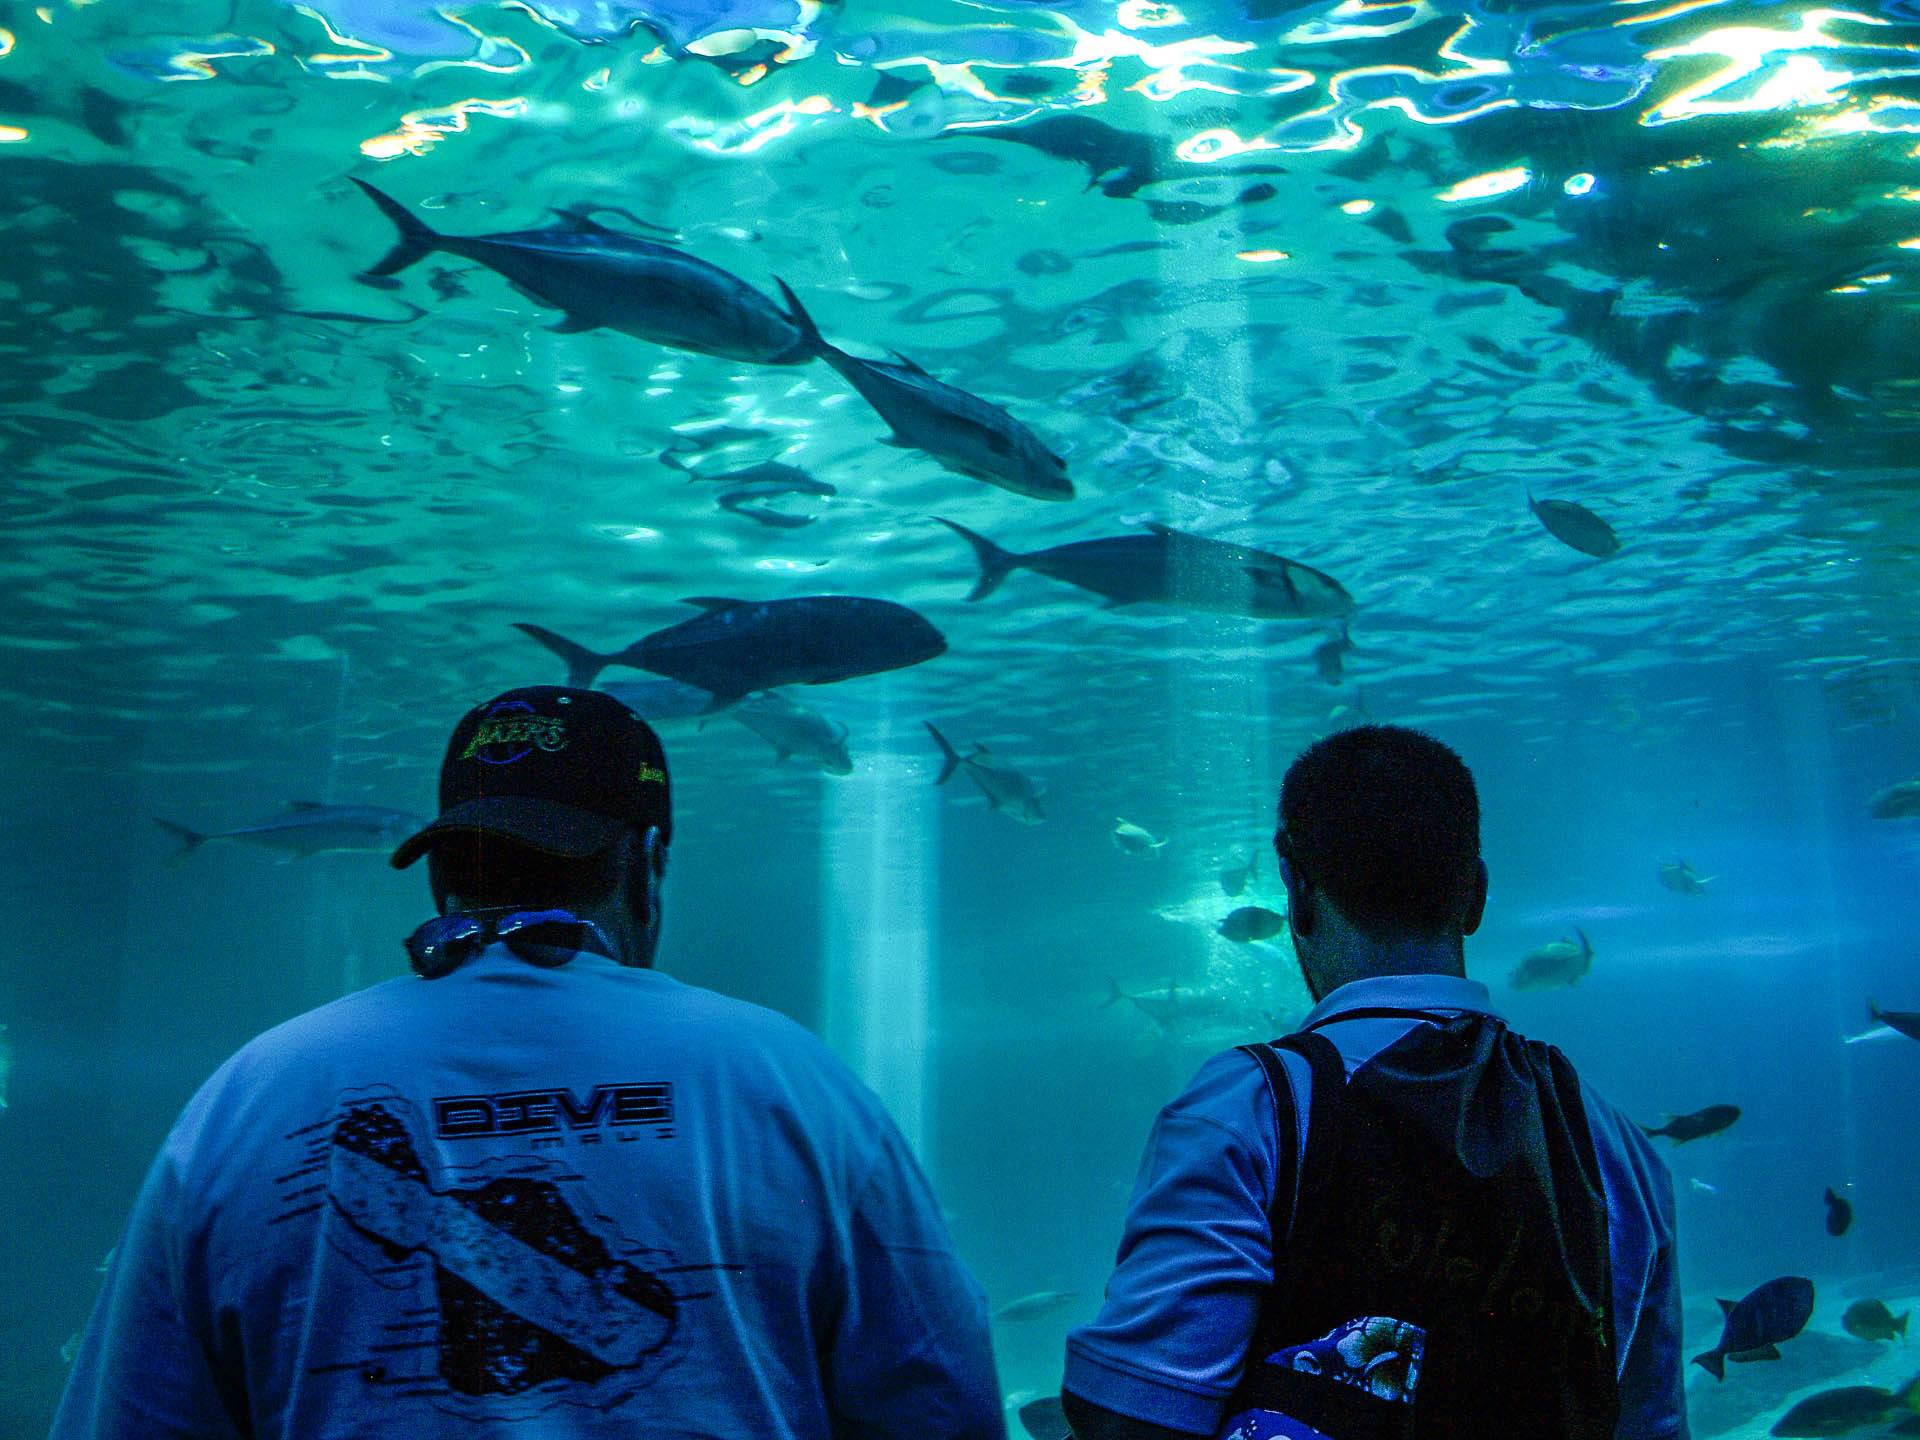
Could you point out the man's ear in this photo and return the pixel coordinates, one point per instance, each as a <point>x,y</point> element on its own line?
<point>1477,901</point>
<point>1299,898</point>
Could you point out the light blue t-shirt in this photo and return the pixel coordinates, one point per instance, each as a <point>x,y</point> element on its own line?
<point>581,1202</point>
<point>1196,1258</point>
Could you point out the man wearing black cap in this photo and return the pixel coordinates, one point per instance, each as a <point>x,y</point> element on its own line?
<point>536,1186</point>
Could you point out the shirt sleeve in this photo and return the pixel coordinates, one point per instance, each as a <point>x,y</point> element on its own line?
<point>1653,1400</point>
<point>1195,1261</point>
<point>910,1351</point>
<point>144,1370</point>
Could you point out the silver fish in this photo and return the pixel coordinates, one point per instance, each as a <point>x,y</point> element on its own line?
<point>1165,566</point>
<point>1576,526</point>
<point>968,435</point>
<point>795,729</point>
<point>658,701</point>
<point>1235,878</point>
<point>605,278</point>
<point>1681,878</point>
<point>1560,962</point>
<point>1177,1008</point>
<point>309,828</point>
<point>1040,1302</point>
<point>1006,789</point>
<point>1134,840</point>
<point>1897,802</point>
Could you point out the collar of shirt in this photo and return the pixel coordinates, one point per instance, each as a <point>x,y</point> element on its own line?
<point>1403,992</point>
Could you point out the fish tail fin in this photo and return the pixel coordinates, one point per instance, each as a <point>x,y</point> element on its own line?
<point>810,335</point>
<point>190,840</point>
<point>1114,993</point>
<point>1900,1323</point>
<point>1873,1013</point>
<point>1650,1130</point>
<point>416,240</point>
<point>1714,1363</point>
<point>671,459</point>
<point>1586,945</point>
<point>583,665</point>
<point>950,756</point>
<point>995,563</point>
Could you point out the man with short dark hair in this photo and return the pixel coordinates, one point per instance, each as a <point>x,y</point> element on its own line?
<point>1403,1220</point>
<point>536,1187</point>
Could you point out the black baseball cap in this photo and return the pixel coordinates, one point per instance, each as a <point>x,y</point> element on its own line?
<point>567,772</point>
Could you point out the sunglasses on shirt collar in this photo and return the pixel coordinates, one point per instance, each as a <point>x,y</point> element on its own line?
<point>546,938</point>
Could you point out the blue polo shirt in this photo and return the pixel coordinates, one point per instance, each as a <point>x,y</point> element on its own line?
<point>1196,1258</point>
<point>581,1202</point>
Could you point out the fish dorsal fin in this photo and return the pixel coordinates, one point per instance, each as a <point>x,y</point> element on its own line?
<point>909,366</point>
<point>581,219</point>
<point>306,805</point>
<point>711,602</point>
<point>1726,1306</point>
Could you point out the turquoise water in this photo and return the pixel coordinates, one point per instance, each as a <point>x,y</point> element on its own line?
<point>1338,282</point>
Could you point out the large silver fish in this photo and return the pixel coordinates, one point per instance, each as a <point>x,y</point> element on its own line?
<point>968,435</point>
<point>793,729</point>
<point>1896,802</point>
<point>603,277</point>
<point>734,647</point>
<point>1559,962</point>
<point>1006,789</point>
<point>1165,566</point>
<point>309,828</point>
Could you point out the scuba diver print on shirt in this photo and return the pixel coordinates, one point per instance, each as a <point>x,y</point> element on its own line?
<point>499,1288</point>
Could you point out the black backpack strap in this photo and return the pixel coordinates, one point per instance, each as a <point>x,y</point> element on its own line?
<point>1295,1206</point>
<point>1286,1129</point>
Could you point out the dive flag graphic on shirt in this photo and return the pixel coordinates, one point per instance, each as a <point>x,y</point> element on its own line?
<point>523,1300</point>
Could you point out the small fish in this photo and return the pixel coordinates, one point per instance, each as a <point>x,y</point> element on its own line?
<point>1681,878</point>
<point>1330,657</point>
<point>1576,526</point>
<point>1701,1123</point>
<point>604,278</point>
<point>1835,1412</point>
<point>309,828</point>
<point>1235,878</point>
<point>1872,1320</point>
<point>1169,567</point>
<point>1251,922</point>
<point>1559,962</point>
<point>1907,1022</point>
<point>1897,802</point>
<point>1839,1213</point>
<point>1006,789</point>
<point>735,647</point>
<point>1040,1302</point>
<point>1775,1312</point>
<point>968,435</point>
<point>795,729</point>
<point>1133,840</point>
<point>1703,1187</point>
<point>755,483</point>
